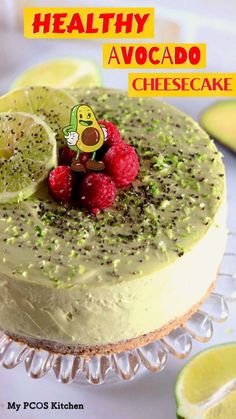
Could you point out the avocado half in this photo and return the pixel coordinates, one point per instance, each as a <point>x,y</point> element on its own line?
<point>219,121</point>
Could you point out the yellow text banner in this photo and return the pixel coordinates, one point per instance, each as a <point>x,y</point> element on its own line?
<point>182,84</point>
<point>108,22</point>
<point>154,55</point>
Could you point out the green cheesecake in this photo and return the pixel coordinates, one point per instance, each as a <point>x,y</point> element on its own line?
<point>75,283</point>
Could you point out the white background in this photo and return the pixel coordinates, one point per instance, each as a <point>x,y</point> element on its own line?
<point>149,396</point>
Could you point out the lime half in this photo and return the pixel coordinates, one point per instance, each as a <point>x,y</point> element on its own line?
<point>28,151</point>
<point>51,105</point>
<point>61,73</point>
<point>206,387</point>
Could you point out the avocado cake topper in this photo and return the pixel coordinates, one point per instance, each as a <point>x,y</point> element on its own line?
<point>84,134</point>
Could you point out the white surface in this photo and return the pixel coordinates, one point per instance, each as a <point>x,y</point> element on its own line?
<point>150,396</point>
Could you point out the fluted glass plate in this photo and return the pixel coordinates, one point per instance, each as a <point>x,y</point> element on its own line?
<point>127,365</point>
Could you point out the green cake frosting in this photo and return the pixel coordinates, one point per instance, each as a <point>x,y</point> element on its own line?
<point>169,207</point>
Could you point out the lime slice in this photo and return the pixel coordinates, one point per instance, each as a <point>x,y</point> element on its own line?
<point>28,151</point>
<point>51,105</point>
<point>206,387</point>
<point>61,73</point>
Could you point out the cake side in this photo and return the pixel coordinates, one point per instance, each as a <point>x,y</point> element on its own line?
<point>110,348</point>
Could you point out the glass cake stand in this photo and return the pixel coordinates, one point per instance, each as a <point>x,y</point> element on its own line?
<point>129,364</point>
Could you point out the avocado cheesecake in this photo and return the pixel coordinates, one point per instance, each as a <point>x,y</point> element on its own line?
<point>75,282</point>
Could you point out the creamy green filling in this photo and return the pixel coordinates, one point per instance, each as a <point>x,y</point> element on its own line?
<point>167,209</point>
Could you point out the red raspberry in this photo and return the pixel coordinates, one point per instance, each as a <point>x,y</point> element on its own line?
<point>122,164</point>
<point>113,135</point>
<point>97,191</point>
<point>67,155</point>
<point>83,157</point>
<point>61,183</point>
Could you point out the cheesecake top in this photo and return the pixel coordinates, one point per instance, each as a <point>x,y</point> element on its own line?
<point>168,208</point>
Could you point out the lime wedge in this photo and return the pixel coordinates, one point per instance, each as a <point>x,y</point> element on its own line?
<point>61,73</point>
<point>28,151</point>
<point>206,387</point>
<point>51,105</point>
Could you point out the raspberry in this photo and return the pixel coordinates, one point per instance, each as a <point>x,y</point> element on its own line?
<point>113,135</point>
<point>67,155</point>
<point>122,164</point>
<point>61,183</point>
<point>97,191</point>
<point>83,157</point>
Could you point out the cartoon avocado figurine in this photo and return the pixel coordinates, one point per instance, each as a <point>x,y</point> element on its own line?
<point>84,134</point>
<point>219,121</point>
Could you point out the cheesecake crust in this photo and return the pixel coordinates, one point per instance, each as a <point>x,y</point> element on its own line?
<point>109,349</point>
